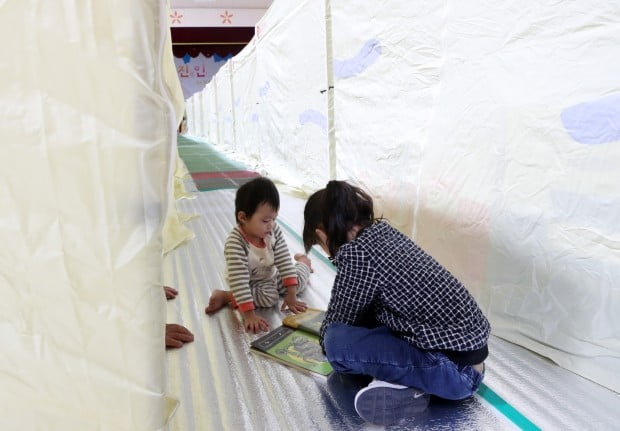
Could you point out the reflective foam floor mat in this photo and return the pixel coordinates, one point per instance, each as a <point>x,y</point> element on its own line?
<point>222,386</point>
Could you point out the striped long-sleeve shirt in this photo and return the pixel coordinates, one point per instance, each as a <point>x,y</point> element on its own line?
<point>246,262</point>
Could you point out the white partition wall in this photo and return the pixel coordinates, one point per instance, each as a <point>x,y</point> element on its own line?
<point>519,187</point>
<point>193,106</point>
<point>88,128</point>
<point>224,108</point>
<point>292,94</point>
<point>488,132</point>
<point>200,113</point>
<point>211,105</point>
<point>246,105</point>
<point>386,77</point>
<point>192,118</point>
<point>278,105</point>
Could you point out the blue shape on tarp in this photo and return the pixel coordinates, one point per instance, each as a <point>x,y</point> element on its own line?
<point>366,56</point>
<point>313,116</point>
<point>187,58</point>
<point>596,122</point>
<point>217,58</point>
<point>262,91</point>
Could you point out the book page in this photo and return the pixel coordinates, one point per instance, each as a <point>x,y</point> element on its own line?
<point>296,348</point>
<point>310,320</point>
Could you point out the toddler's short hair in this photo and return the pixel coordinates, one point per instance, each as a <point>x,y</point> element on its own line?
<point>255,192</point>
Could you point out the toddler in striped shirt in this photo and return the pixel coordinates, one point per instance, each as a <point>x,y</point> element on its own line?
<point>258,262</point>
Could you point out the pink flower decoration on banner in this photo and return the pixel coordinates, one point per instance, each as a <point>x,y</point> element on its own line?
<point>176,17</point>
<point>226,17</point>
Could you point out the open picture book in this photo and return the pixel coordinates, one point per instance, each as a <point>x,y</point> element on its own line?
<point>296,343</point>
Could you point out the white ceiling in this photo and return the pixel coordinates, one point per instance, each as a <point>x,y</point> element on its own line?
<point>220,4</point>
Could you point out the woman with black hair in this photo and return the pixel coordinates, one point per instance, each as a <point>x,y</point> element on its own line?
<point>395,313</point>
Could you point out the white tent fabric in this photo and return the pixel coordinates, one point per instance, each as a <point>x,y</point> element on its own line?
<point>280,102</point>
<point>509,198</point>
<point>487,131</point>
<point>243,67</point>
<point>210,104</point>
<point>88,126</point>
<point>386,77</point>
<point>224,106</point>
<point>290,101</point>
<point>199,112</point>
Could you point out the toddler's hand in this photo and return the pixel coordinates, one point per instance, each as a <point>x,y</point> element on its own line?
<point>254,323</point>
<point>294,305</point>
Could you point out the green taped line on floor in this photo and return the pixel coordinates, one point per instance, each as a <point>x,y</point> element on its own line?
<point>484,391</point>
<point>200,156</point>
<point>506,409</point>
<point>209,168</point>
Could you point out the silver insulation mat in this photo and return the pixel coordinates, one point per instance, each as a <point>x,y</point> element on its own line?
<point>222,386</point>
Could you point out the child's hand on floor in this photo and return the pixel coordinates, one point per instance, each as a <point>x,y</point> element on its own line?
<point>170,292</point>
<point>292,303</point>
<point>254,323</point>
<point>177,335</point>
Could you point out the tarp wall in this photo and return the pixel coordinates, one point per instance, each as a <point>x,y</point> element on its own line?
<point>88,127</point>
<point>210,105</point>
<point>244,73</point>
<point>489,132</point>
<point>279,99</point>
<point>519,190</point>
<point>224,108</point>
<point>386,76</point>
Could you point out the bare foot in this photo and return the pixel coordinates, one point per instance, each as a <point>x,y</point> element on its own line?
<point>219,298</point>
<point>302,258</point>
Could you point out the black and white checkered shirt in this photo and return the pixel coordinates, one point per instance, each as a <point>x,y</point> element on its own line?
<point>384,275</point>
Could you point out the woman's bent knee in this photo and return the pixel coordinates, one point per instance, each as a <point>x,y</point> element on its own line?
<point>336,341</point>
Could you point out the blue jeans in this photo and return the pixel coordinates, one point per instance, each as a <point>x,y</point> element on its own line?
<point>378,353</point>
